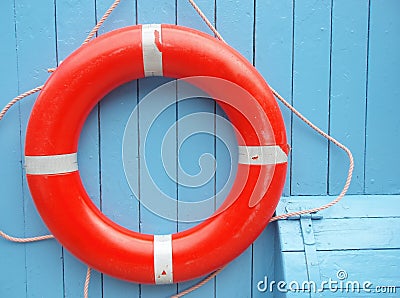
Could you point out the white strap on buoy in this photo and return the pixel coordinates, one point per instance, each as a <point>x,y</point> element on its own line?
<point>163,271</point>
<point>51,164</point>
<point>152,54</point>
<point>262,155</point>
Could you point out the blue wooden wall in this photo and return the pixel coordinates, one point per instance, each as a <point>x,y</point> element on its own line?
<point>335,60</point>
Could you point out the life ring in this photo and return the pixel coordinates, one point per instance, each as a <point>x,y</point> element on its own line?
<point>78,85</point>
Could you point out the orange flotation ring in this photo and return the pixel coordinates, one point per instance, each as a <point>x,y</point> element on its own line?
<point>79,84</point>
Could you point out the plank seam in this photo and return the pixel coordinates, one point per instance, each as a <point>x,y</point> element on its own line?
<point>290,164</point>
<point>254,64</point>
<point>329,145</point>
<point>361,217</point>
<point>344,249</point>
<point>366,96</point>
<point>215,149</point>
<point>359,249</point>
<point>23,192</point>
<point>58,63</point>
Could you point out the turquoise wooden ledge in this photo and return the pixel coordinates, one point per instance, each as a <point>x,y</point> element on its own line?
<point>349,250</point>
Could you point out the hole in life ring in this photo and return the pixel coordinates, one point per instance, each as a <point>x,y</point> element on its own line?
<point>119,207</point>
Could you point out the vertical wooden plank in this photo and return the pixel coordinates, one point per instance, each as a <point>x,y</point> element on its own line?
<point>382,162</point>
<point>236,279</point>
<point>279,269</point>
<point>235,22</point>
<point>156,12</point>
<point>118,201</point>
<point>348,83</point>
<point>187,16</point>
<point>157,177</point>
<point>196,142</point>
<point>311,95</point>
<point>273,53</point>
<point>74,20</point>
<point>264,260</point>
<point>273,59</point>
<point>195,131</point>
<point>196,154</point>
<point>226,151</point>
<point>36,52</point>
<point>12,255</point>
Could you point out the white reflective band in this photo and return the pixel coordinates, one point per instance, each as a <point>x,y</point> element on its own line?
<point>163,272</point>
<point>152,55</point>
<point>262,155</point>
<point>52,164</point>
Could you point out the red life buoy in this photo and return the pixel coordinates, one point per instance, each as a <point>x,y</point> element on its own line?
<point>128,54</point>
